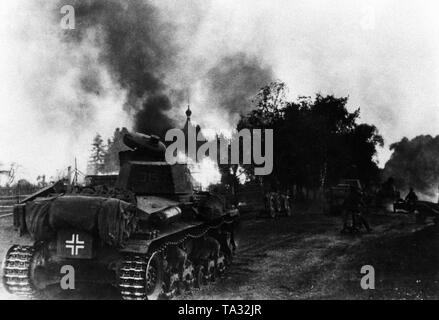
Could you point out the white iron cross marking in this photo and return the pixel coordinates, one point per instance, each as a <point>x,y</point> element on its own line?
<point>74,245</point>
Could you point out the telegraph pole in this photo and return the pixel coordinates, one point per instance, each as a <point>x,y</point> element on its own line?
<point>75,177</point>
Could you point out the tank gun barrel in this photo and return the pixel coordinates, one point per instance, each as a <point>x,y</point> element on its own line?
<point>147,144</point>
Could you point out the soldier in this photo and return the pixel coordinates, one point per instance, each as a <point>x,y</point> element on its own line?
<point>411,196</point>
<point>353,206</point>
<point>287,203</point>
<point>271,204</point>
<point>411,199</point>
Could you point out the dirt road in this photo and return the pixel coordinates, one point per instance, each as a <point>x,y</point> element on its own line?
<point>305,257</point>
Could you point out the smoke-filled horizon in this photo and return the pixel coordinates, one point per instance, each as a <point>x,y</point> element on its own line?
<point>138,63</point>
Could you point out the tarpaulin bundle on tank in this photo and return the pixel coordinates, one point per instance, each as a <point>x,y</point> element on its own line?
<point>112,219</point>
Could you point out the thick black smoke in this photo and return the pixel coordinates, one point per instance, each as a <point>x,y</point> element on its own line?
<point>415,163</point>
<point>137,49</point>
<point>235,80</point>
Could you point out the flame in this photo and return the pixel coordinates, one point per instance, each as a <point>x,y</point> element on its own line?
<point>103,174</point>
<point>204,172</point>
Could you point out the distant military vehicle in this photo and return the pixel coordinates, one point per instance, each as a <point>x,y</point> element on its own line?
<point>421,209</point>
<point>149,235</point>
<point>336,195</point>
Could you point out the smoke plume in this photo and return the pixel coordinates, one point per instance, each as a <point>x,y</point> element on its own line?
<point>137,49</point>
<point>126,63</point>
<point>414,163</point>
<point>138,64</point>
<point>233,83</point>
<point>140,48</point>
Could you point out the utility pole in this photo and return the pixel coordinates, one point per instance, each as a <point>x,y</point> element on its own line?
<point>75,177</point>
<point>69,175</point>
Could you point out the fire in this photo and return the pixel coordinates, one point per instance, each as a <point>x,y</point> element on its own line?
<point>204,172</point>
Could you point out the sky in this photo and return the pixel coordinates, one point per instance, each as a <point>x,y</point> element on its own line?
<point>384,55</point>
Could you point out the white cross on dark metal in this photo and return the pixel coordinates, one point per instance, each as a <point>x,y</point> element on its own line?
<point>74,245</point>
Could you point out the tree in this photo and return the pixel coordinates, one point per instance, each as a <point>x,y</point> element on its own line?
<point>269,110</point>
<point>96,163</point>
<point>329,122</point>
<point>114,146</point>
<point>363,141</point>
<point>316,141</point>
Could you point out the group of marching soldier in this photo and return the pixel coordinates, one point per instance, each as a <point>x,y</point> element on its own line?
<point>353,208</point>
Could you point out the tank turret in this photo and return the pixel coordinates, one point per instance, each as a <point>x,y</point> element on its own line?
<point>144,170</point>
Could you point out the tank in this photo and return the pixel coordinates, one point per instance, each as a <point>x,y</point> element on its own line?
<point>150,235</point>
<point>421,209</point>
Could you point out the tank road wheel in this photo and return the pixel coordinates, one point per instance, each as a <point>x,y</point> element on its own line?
<point>171,286</point>
<point>154,278</point>
<point>188,276</point>
<point>211,270</point>
<point>226,238</point>
<point>17,271</point>
<point>141,278</point>
<point>221,265</point>
<point>200,276</point>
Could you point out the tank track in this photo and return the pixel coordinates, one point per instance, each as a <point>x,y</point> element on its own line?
<point>132,277</point>
<point>16,271</point>
<point>132,274</point>
<point>19,260</point>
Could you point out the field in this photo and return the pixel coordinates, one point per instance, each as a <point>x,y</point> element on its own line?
<point>306,257</point>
